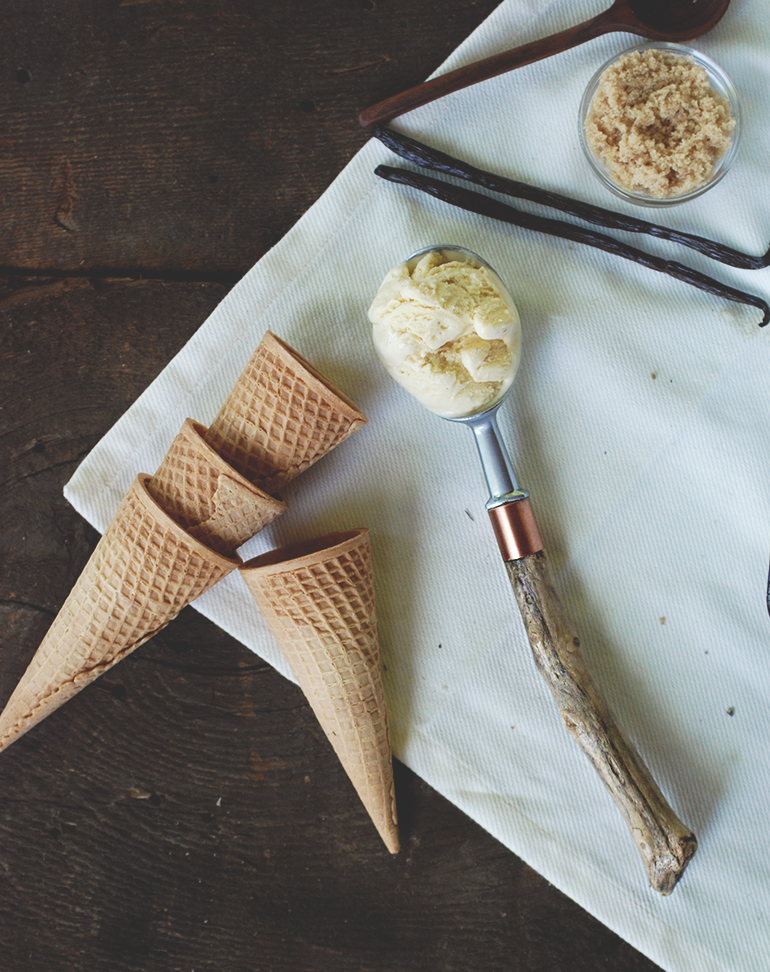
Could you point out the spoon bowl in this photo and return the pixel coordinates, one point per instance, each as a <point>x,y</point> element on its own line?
<point>660,20</point>
<point>675,20</point>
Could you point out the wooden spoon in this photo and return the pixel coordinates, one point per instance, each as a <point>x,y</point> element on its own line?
<point>663,20</point>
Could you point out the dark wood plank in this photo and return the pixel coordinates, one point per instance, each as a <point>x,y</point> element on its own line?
<point>191,135</point>
<point>185,811</point>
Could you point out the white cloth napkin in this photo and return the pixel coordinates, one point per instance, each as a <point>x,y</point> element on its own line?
<point>640,423</point>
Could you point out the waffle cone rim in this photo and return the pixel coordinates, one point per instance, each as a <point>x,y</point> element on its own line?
<point>191,427</point>
<point>143,495</point>
<point>303,553</point>
<point>312,376</point>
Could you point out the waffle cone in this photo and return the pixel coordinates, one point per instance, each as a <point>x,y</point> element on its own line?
<point>281,417</point>
<point>318,600</point>
<point>144,570</point>
<point>206,496</point>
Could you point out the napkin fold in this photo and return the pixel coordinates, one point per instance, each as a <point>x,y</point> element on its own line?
<point>638,421</point>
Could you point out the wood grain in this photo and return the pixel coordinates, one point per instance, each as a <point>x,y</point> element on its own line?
<point>185,811</point>
<point>190,136</point>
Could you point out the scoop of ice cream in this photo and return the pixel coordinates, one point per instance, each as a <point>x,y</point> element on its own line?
<point>446,328</point>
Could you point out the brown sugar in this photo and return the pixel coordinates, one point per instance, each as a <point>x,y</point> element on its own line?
<point>657,125</point>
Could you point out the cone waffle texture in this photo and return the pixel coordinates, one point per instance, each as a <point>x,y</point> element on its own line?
<point>281,417</point>
<point>207,497</point>
<point>318,599</point>
<point>144,570</point>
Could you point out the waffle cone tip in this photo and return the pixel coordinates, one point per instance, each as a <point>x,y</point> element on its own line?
<point>317,597</point>
<point>143,571</point>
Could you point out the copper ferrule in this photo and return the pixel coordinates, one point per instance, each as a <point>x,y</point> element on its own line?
<point>515,528</point>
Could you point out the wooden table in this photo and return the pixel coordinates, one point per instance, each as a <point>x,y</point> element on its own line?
<point>185,811</point>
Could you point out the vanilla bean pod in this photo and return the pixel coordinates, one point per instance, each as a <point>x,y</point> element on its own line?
<point>429,158</point>
<point>475,202</point>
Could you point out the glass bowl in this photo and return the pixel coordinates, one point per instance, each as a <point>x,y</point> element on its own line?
<point>719,81</point>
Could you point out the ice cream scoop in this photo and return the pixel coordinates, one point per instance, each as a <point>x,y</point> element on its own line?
<point>447,329</point>
<point>664,842</point>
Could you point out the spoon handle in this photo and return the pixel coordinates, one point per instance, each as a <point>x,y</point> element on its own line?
<point>490,67</point>
<point>664,842</point>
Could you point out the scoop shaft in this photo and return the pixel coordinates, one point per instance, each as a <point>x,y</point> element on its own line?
<point>495,461</point>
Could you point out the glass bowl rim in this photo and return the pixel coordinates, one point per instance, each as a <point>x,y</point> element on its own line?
<point>719,80</point>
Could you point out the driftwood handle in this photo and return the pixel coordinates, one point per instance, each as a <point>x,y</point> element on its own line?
<point>665,843</point>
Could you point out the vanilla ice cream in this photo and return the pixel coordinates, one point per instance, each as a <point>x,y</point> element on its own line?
<point>446,328</point>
